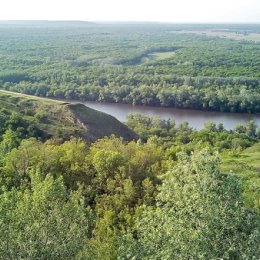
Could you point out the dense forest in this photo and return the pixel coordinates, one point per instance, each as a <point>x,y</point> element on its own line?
<point>175,193</point>
<point>77,184</point>
<point>148,64</point>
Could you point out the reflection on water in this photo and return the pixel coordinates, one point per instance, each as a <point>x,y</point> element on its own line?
<point>196,119</point>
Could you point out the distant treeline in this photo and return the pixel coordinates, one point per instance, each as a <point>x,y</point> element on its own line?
<point>236,98</point>
<point>137,64</point>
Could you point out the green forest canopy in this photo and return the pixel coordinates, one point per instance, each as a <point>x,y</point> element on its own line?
<point>162,197</point>
<point>149,64</point>
<point>175,193</point>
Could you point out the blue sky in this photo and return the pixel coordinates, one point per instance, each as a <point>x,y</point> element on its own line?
<point>208,11</point>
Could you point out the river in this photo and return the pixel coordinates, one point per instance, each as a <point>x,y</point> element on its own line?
<point>195,118</point>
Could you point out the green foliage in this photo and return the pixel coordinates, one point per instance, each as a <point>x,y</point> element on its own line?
<point>42,117</point>
<point>139,208</point>
<point>149,126</point>
<point>246,165</point>
<point>115,177</point>
<point>37,223</point>
<point>137,64</point>
<point>167,134</point>
<point>10,140</point>
<point>155,198</point>
<point>106,164</point>
<point>67,159</point>
<point>199,215</point>
<point>251,129</point>
<point>45,118</point>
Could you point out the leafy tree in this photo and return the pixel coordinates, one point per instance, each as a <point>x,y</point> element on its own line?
<point>251,128</point>
<point>241,129</point>
<point>37,223</point>
<point>199,215</point>
<point>258,132</point>
<point>10,140</point>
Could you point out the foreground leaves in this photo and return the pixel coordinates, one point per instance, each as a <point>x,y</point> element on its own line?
<point>45,222</point>
<point>199,215</point>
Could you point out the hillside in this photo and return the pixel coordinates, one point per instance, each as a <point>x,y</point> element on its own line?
<point>51,118</point>
<point>247,166</point>
<point>165,197</point>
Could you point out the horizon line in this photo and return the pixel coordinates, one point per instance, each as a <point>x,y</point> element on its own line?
<point>127,21</point>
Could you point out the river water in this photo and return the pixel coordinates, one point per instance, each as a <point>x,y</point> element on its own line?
<point>195,118</point>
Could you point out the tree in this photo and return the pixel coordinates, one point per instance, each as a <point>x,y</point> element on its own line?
<point>210,126</point>
<point>199,215</point>
<point>10,141</point>
<point>37,223</point>
<point>251,128</point>
<point>258,132</point>
<point>240,129</point>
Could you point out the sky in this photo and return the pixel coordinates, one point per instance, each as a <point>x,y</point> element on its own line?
<point>176,11</point>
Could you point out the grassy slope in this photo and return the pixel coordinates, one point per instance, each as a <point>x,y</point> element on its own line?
<point>247,166</point>
<point>64,119</point>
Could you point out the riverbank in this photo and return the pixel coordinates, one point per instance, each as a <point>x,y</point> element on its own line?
<point>195,118</point>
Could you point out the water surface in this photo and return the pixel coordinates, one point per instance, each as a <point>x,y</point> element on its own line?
<point>195,118</point>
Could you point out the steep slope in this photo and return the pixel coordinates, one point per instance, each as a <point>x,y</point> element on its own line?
<point>98,124</point>
<point>60,119</point>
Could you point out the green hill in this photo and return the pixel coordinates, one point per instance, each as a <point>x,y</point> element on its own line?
<point>53,118</point>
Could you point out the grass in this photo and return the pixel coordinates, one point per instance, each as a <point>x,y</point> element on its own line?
<point>246,165</point>
<point>61,119</point>
<point>57,120</point>
<point>162,55</point>
<point>154,56</point>
<point>248,159</point>
<point>14,95</point>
